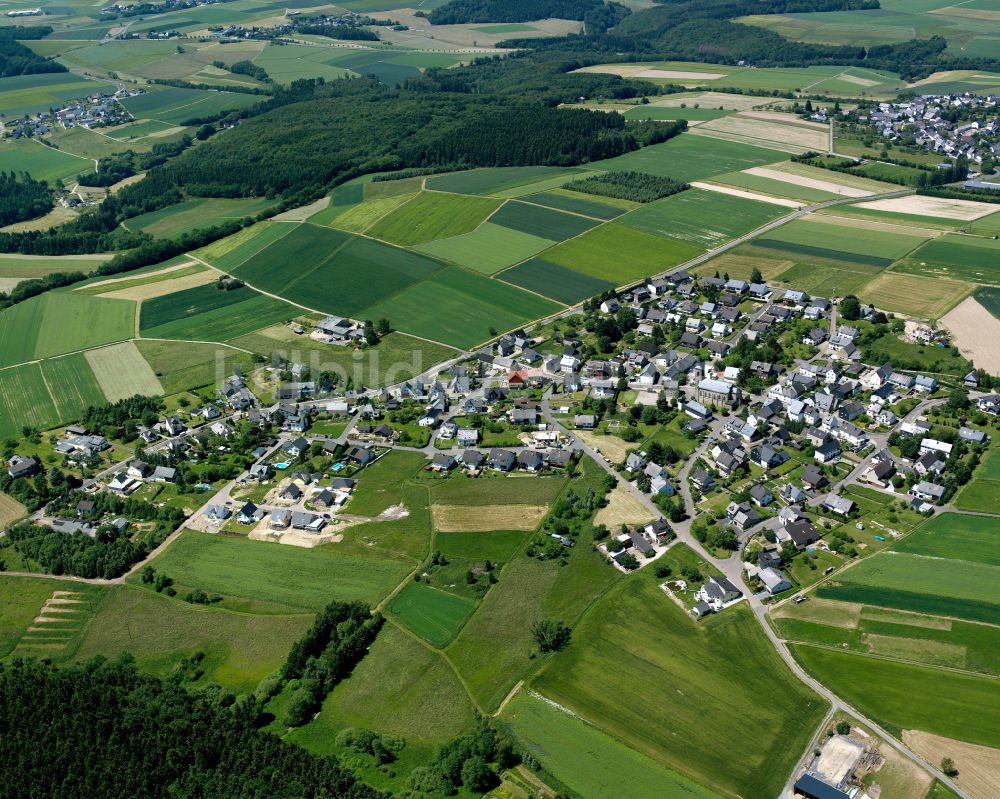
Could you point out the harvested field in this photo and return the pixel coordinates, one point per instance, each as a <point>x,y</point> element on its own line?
<point>10,510</point>
<point>845,615</point>
<point>486,518</point>
<point>159,288</point>
<point>975,332</point>
<point>612,446</point>
<point>623,508</point>
<point>740,265</point>
<point>122,372</point>
<point>785,134</point>
<point>809,183</point>
<point>940,207</point>
<point>920,297</point>
<point>736,102</point>
<point>747,195</point>
<point>978,766</point>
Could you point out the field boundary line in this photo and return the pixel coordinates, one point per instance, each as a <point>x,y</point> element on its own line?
<point>877,656</point>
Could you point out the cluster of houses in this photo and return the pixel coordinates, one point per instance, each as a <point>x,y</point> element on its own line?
<point>98,110</point>
<point>929,120</point>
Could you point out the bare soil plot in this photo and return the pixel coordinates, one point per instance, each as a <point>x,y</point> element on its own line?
<point>623,508</point>
<point>747,195</point>
<point>978,766</point>
<point>975,332</point>
<point>149,291</point>
<point>486,518</point>
<point>932,206</point>
<point>919,297</point>
<point>122,372</point>
<point>809,183</point>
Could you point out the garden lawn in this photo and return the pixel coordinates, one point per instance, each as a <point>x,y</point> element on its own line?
<point>694,678</point>
<point>885,690</point>
<point>255,571</point>
<point>620,254</point>
<point>703,218</point>
<point>555,281</point>
<point>240,648</point>
<point>433,215</point>
<point>433,614</point>
<point>588,760</point>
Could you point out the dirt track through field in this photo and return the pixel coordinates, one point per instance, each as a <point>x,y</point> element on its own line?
<point>976,332</point>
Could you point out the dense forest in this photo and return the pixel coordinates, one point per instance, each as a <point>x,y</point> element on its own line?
<point>459,11</point>
<point>22,198</point>
<point>105,730</point>
<point>638,187</point>
<point>346,32</point>
<point>16,59</point>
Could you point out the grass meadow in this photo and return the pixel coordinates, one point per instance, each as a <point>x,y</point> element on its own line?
<point>885,691</point>
<point>182,365</point>
<point>433,215</point>
<point>72,384</point>
<point>542,222</point>
<point>588,760</point>
<point>193,214</point>
<point>487,249</point>
<point>10,510</point>
<point>41,162</point>
<point>177,105</point>
<point>25,400</point>
<point>692,679</point>
<point>957,257</point>
<point>30,94</point>
<point>494,181</point>
<point>205,313</point>
<point>381,486</point>
<point>604,208</point>
<point>240,648</point>
<point>432,613</point>
<point>552,280</point>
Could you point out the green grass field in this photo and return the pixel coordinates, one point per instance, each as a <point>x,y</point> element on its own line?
<point>232,251</point>
<point>401,688</point>
<point>253,572</point>
<point>183,365</point>
<point>381,486</point>
<point>460,308</point>
<point>528,590</point>
<point>820,239</point>
<point>73,384</point>
<point>955,256</point>
<point>512,490</point>
<point>555,281</point>
<point>494,181</point>
<point>989,298</point>
<point>885,691</point>
<point>193,214</point>
<point>41,162</point>
<point>687,158</point>
<point>433,614</point>
<point>15,268</point>
<point>541,222</point>
<point>822,280</point>
<point>487,249</point>
<point>205,313</point>
<point>588,760</point>
<point>55,323</point>
<point>620,254</point>
<point>22,599</point>
<point>691,679</point>
<point>690,114</point>
<point>30,94</point>
<point>177,105</point>
<point>25,400</point>
<point>433,215</point>
<point>605,208</point>
<point>240,648</point>
<point>703,218</point>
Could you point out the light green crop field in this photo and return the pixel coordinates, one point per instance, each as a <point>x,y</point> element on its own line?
<point>620,254</point>
<point>495,181</point>
<point>73,385</point>
<point>55,323</point>
<point>30,94</point>
<point>23,267</point>
<point>39,161</point>
<point>230,252</point>
<point>122,372</point>
<point>955,256</point>
<point>193,214</point>
<point>205,313</point>
<point>253,571</point>
<point>690,114</point>
<point>688,158</point>
<point>885,690</point>
<point>588,760</point>
<point>98,287</point>
<point>703,218</point>
<point>487,249</point>
<point>692,676</point>
<point>240,648</point>
<point>460,308</point>
<point>842,242</point>
<point>25,400</point>
<point>822,280</point>
<point>358,218</point>
<point>400,688</point>
<point>297,61</point>
<point>433,614</point>
<point>433,215</point>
